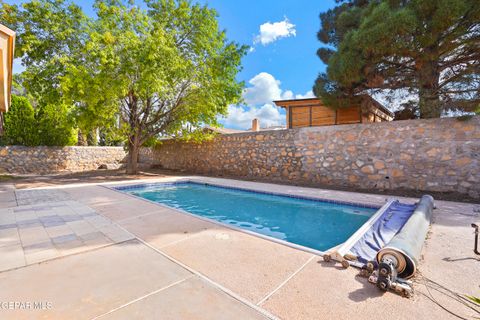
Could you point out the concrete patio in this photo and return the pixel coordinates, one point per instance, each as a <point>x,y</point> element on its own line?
<point>85,251</point>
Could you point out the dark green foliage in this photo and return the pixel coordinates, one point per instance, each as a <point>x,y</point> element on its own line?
<point>407,111</point>
<point>111,136</point>
<point>48,125</point>
<point>428,49</point>
<point>151,142</point>
<point>55,126</point>
<point>19,123</point>
<point>48,35</point>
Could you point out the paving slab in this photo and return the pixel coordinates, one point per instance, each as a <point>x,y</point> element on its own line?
<point>7,216</point>
<point>447,256</point>
<point>7,196</point>
<point>41,231</point>
<point>58,231</point>
<point>9,237</point>
<point>247,265</point>
<point>34,235</point>
<point>11,256</point>
<point>81,227</point>
<point>89,284</point>
<point>40,252</point>
<point>94,195</point>
<point>125,209</point>
<point>324,291</point>
<point>192,299</point>
<point>165,227</point>
<point>39,196</point>
<point>8,204</point>
<point>115,233</point>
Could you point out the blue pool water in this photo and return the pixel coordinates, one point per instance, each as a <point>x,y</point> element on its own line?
<point>310,223</point>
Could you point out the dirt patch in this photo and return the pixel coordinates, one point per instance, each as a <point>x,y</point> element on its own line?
<point>96,176</point>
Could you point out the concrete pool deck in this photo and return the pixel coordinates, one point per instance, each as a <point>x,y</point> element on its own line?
<point>86,251</point>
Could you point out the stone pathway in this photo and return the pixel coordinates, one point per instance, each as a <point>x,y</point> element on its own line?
<point>49,225</point>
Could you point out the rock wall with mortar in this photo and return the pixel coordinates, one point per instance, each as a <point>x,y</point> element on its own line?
<point>436,155</point>
<point>41,160</point>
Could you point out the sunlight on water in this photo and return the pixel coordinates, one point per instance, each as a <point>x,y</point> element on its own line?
<point>314,224</point>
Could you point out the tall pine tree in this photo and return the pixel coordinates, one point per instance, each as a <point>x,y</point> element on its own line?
<point>425,49</point>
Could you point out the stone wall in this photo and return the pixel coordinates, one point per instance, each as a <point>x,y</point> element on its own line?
<point>437,155</point>
<point>41,160</point>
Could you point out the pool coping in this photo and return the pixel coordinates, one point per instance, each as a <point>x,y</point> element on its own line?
<point>317,199</point>
<point>118,188</point>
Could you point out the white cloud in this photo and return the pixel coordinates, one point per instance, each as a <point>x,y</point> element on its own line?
<point>241,117</point>
<point>288,95</point>
<point>271,32</point>
<point>259,97</point>
<point>307,95</point>
<point>264,89</point>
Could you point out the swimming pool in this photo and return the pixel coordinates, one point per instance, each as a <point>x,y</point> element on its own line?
<point>311,223</point>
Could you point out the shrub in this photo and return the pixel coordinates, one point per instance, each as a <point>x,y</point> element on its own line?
<point>112,136</point>
<point>55,126</point>
<point>20,124</point>
<point>49,125</point>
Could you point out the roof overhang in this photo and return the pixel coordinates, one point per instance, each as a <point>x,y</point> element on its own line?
<point>316,101</point>
<point>380,106</point>
<point>7,47</point>
<point>296,102</point>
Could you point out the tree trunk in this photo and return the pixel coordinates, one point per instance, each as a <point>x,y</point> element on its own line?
<point>1,124</point>
<point>92,137</point>
<point>429,99</point>
<point>133,151</point>
<point>82,141</point>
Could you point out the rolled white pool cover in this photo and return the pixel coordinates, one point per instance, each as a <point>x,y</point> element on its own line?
<point>406,245</point>
<point>396,231</point>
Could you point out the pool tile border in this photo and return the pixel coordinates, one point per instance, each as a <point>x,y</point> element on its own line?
<point>174,183</point>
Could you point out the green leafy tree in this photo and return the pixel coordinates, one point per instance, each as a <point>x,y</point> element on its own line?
<point>424,48</point>
<point>55,126</point>
<point>49,125</point>
<point>19,123</point>
<point>164,69</point>
<point>48,35</point>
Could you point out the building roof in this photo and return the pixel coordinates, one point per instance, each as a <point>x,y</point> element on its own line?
<point>7,47</point>
<point>272,128</point>
<point>294,102</point>
<point>315,101</point>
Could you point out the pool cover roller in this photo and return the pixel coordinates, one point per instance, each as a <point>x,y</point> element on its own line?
<point>381,231</point>
<point>405,247</point>
<point>388,246</point>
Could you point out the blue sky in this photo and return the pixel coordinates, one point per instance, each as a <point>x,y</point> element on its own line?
<point>283,61</point>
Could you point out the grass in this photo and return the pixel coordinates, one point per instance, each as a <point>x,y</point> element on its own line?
<point>6,177</point>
